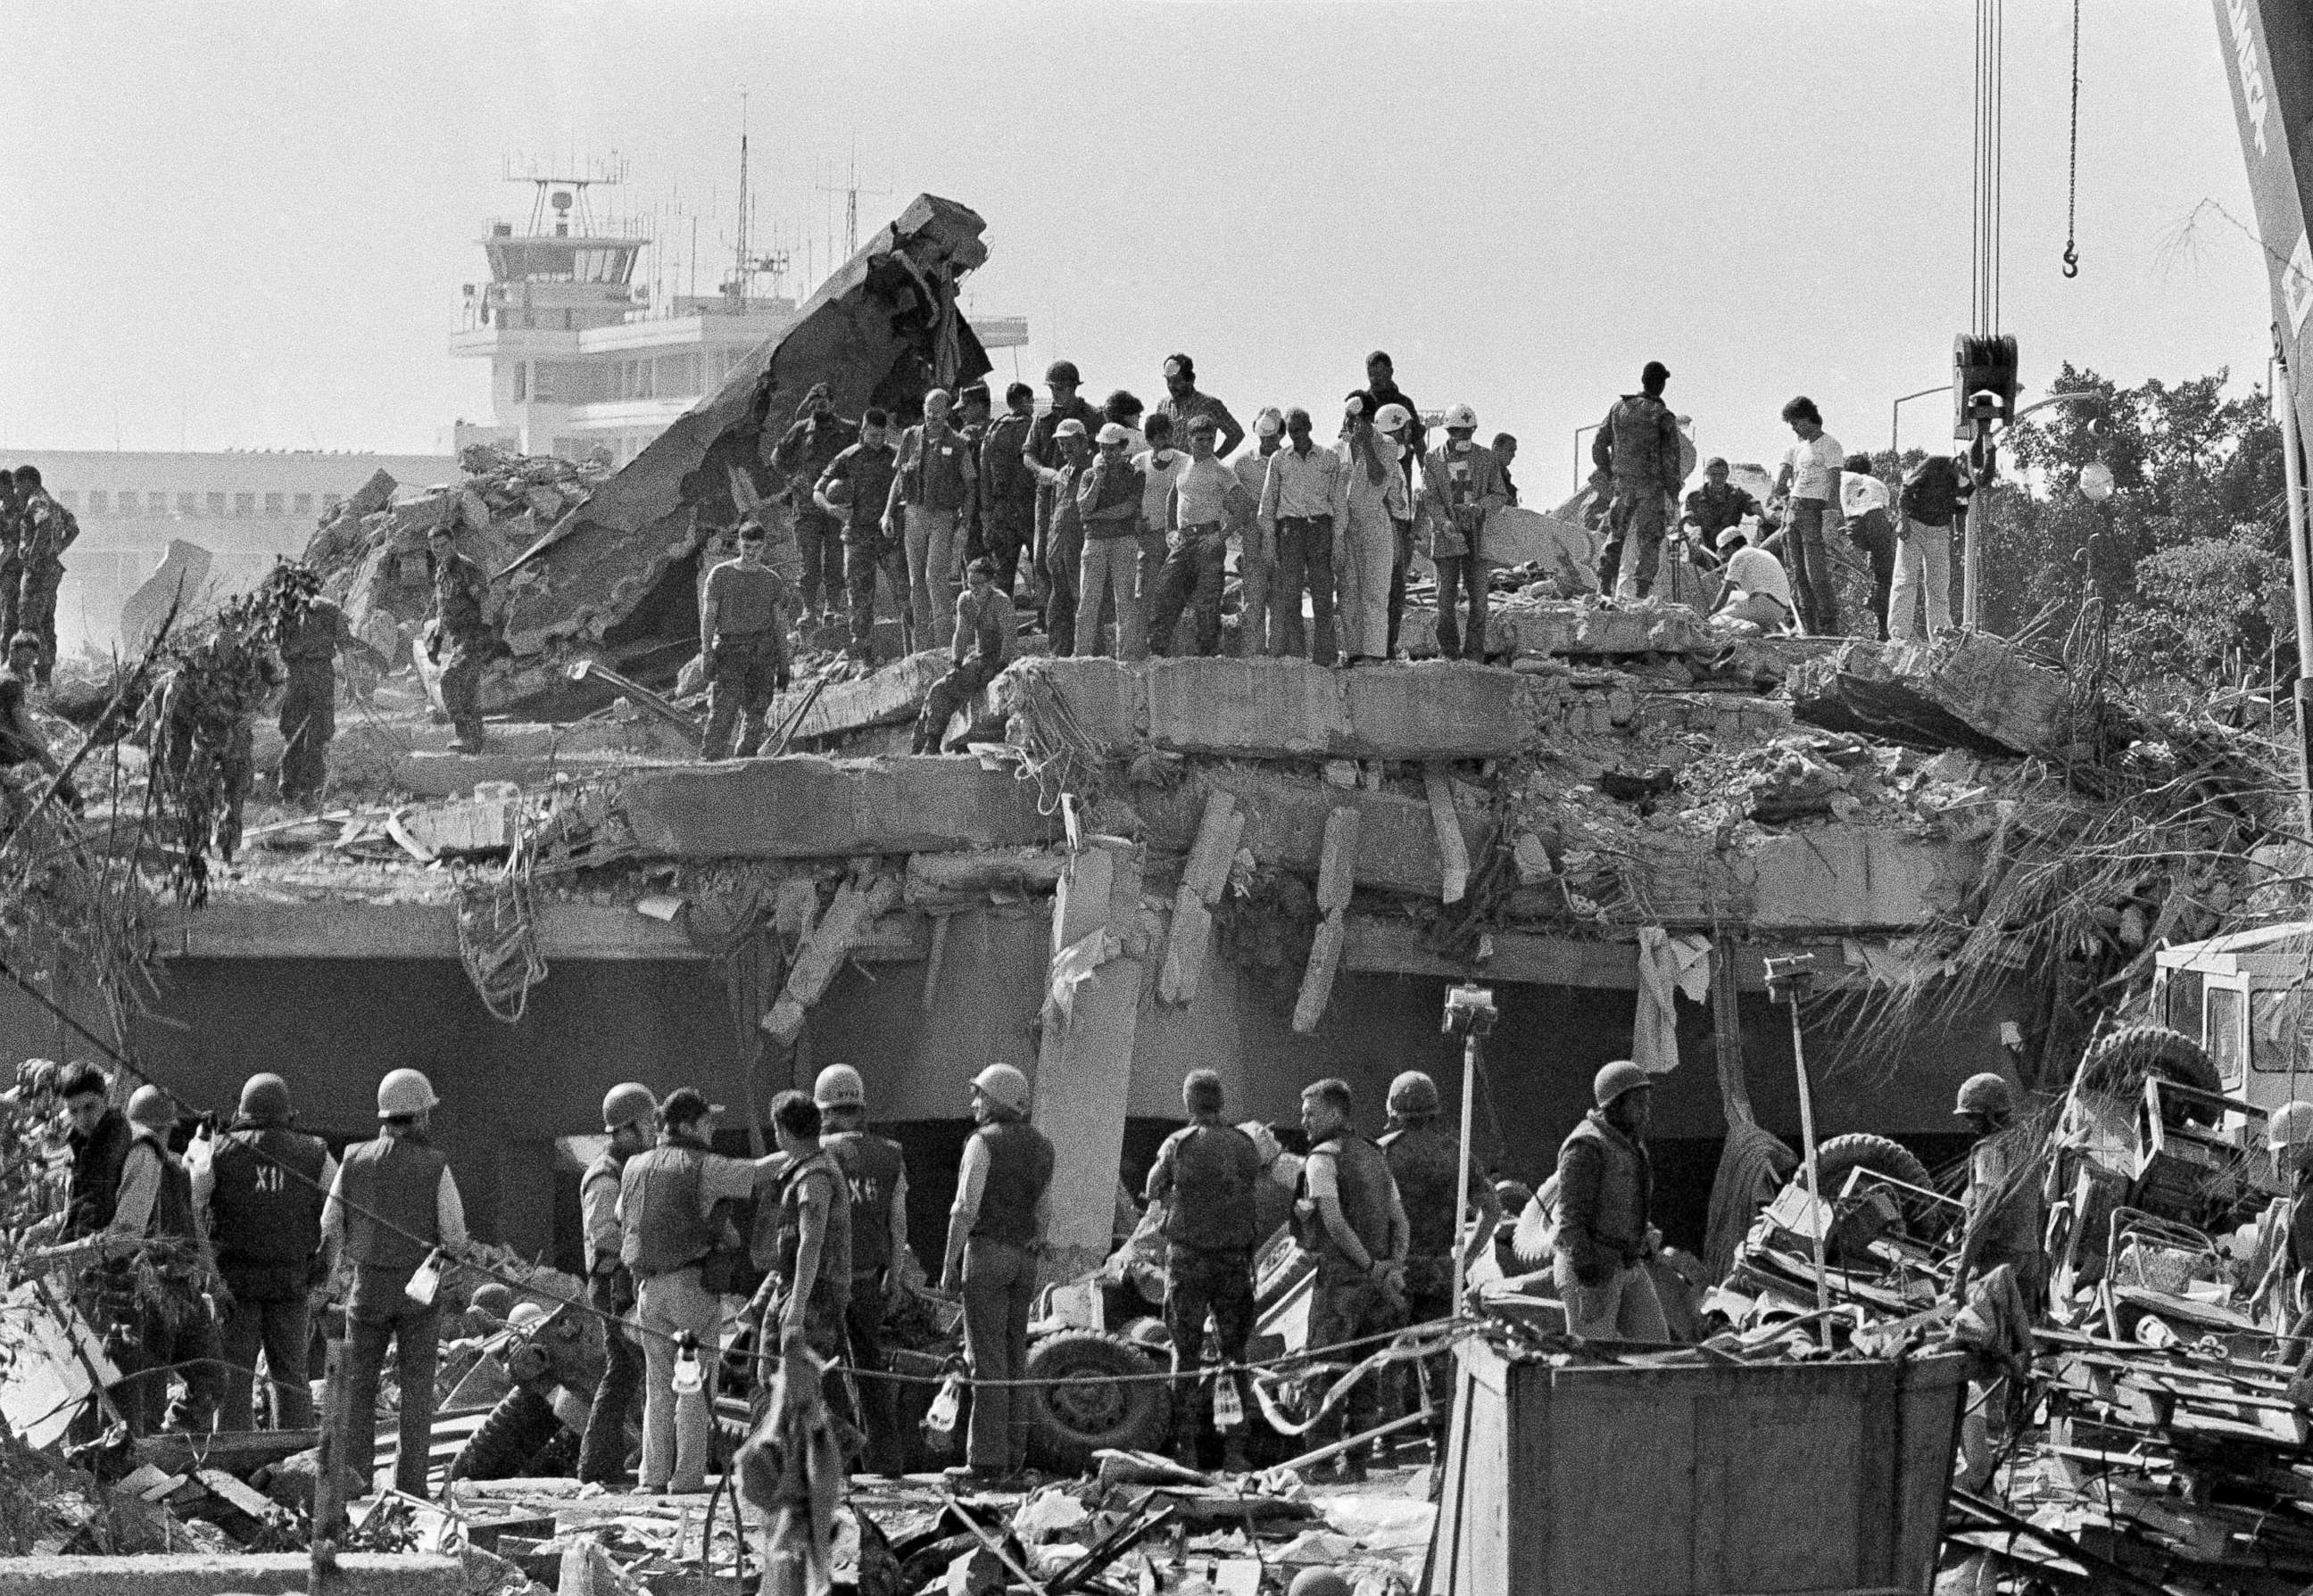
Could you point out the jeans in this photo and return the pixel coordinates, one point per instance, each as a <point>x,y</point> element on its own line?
<point>603,1450</point>
<point>879,1399</point>
<point>284,1331</point>
<point>1304,563</point>
<point>1006,536</point>
<point>1810,567</point>
<point>744,675</point>
<point>1623,1307</point>
<point>375,1319</point>
<point>1192,578</point>
<point>1063,565</point>
<point>676,1429</point>
<point>1198,1283</point>
<point>948,695</point>
<point>1764,611</point>
<point>819,539</point>
<point>1110,565</point>
<point>1637,508</point>
<point>1922,570</point>
<point>862,561</point>
<point>1349,1308</point>
<point>999,1286</point>
<point>1460,571</point>
<point>1877,540</point>
<point>932,538</point>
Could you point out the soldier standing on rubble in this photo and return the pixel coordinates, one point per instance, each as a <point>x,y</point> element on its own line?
<point>1460,486</point>
<point>393,1207</point>
<point>1043,452</point>
<point>995,1232</point>
<point>1639,444</point>
<point>308,631</point>
<point>1007,490</point>
<point>877,1175</point>
<point>669,1221</point>
<point>630,1114</point>
<point>818,435</point>
<point>742,635</point>
<point>2003,1222</point>
<point>857,486</point>
<point>931,505</point>
<point>460,639</point>
<point>1206,1175</point>
<point>1423,1160</point>
<point>1060,546</point>
<point>262,1191</point>
<point>1204,503</point>
<point>1808,486</point>
<point>1345,1211</point>
<point>982,647</point>
<point>44,530</point>
<point>1605,1189</point>
<point>802,1240</point>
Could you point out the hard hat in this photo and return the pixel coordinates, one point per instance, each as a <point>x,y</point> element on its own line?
<point>523,1315</point>
<point>1411,1093</point>
<point>1270,422</point>
<point>495,1299</point>
<point>1063,370</point>
<point>404,1092</point>
<point>1149,1332</point>
<point>1984,1093</point>
<point>1513,1196</point>
<point>1392,418</point>
<point>1461,416</point>
<point>1319,1582</point>
<point>1616,1078</point>
<point>1004,1086</point>
<point>265,1100</point>
<point>1070,428</point>
<point>2292,1126</point>
<point>152,1109</point>
<point>1111,432</point>
<point>626,1102</point>
<point>839,1086</point>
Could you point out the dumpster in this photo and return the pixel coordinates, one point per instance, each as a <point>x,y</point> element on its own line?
<point>1695,1478</point>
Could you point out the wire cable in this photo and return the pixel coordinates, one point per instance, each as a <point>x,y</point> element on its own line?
<point>2072,178</point>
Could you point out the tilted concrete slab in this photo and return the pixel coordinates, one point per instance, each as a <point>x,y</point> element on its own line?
<point>1960,689</point>
<point>889,697</point>
<point>802,807</point>
<point>256,1573</point>
<point>1854,878</point>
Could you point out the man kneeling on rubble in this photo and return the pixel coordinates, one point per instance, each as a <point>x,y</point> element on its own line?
<point>1605,1186</point>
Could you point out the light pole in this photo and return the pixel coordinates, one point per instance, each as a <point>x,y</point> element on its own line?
<point>1896,412</point>
<point>1971,551</point>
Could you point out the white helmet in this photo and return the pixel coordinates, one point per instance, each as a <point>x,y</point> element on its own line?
<point>405,1091</point>
<point>1392,418</point>
<point>1461,416</point>
<point>1004,1086</point>
<point>839,1086</point>
<point>2292,1126</point>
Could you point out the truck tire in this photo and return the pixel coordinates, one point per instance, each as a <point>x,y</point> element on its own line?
<point>518,1428</point>
<point>1841,1156</point>
<point>2116,1063</point>
<point>1095,1408</point>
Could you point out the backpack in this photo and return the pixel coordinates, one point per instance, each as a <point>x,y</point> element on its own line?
<point>1931,491</point>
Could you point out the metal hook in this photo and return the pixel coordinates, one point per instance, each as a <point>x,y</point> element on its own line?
<point>2071,261</point>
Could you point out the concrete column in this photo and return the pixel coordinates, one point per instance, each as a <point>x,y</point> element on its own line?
<point>1084,1068</point>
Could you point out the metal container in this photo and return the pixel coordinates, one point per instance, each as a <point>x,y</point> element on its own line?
<point>1766,1479</point>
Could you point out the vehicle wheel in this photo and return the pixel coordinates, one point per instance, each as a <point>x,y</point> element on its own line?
<point>1093,1409</point>
<point>2117,1063</point>
<point>521,1425</point>
<point>1842,1156</point>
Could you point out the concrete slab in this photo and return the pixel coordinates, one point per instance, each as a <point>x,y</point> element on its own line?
<point>1838,878</point>
<point>1099,698</point>
<point>269,1573</point>
<point>802,807</point>
<point>1257,708</point>
<point>1285,825</point>
<point>1444,710</point>
<point>890,696</point>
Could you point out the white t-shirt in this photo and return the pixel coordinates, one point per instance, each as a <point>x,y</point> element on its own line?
<point>1160,480</point>
<point>1756,571</point>
<point>1814,466</point>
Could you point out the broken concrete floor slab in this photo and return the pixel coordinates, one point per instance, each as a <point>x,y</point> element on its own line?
<point>1285,818</point>
<point>252,1574</point>
<point>1959,690</point>
<point>803,807</point>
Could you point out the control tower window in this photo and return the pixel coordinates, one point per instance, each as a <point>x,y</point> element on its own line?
<point>216,505</point>
<point>244,505</point>
<point>276,503</point>
<point>99,502</point>
<point>189,503</point>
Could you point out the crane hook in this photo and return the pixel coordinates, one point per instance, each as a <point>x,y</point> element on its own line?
<point>2071,261</point>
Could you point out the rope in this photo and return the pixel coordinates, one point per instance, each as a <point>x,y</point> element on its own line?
<point>2072,180</point>
<point>497,934</point>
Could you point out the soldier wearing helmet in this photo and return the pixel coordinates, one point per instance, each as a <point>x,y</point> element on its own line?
<point>1640,448</point>
<point>802,1238</point>
<point>877,1173</point>
<point>1345,1211</point>
<point>2289,1134</point>
<point>1206,1175</point>
<point>630,1116</point>
<point>395,1204</point>
<point>995,1231</point>
<point>1424,1161</point>
<point>2004,1221</point>
<point>261,1192</point>
<point>1462,484</point>
<point>310,631</point>
<point>1605,1186</point>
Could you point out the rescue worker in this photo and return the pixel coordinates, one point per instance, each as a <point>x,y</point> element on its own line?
<point>668,1219</point>
<point>1510,1198</point>
<point>1423,1160</point>
<point>1110,496</point>
<point>98,1136</point>
<point>1717,504</point>
<point>1505,453</point>
<point>629,1115</point>
<point>1605,1193</point>
<point>308,631</point>
<point>743,637</point>
<point>1206,1175</point>
<point>164,1327</point>
<point>459,636</point>
<point>1345,1211</point>
<point>803,1237</point>
<point>394,1205</point>
<point>981,649</point>
<point>1007,491</point>
<point>21,741</point>
<point>806,449</point>
<point>2003,1224</point>
<point>930,506</point>
<point>2289,1134</point>
<point>1061,539</point>
<point>44,530</point>
<point>1381,391</point>
<point>1257,627</point>
<point>856,487</point>
<point>1300,507</point>
<point>876,1173</point>
<point>1204,504</point>
<point>1639,444</point>
<point>994,1232</point>
<point>1460,484</point>
<point>1807,491</point>
<point>261,1192</point>
<point>1183,405</point>
<point>1372,499</point>
<point>1043,452</point>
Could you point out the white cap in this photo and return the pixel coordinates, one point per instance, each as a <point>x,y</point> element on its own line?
<point>1112,434</point>
<point>1070,428</point>
<point>1269,422</point>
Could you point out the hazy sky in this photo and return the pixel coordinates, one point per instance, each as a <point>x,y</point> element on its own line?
<point>246,225</point>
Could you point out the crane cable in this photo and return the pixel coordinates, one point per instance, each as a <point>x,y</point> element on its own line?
<point>2072,178</point>
<point>1985,224</point>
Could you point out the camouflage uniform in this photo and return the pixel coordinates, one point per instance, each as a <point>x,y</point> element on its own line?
<point>462,642</point>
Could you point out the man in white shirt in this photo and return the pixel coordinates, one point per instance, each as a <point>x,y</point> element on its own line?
<point>1754,586</point>
<point>1809,484</point>
<point>1160,464</point>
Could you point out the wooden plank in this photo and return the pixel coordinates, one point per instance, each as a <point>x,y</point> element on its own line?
<point>1453,856</point>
